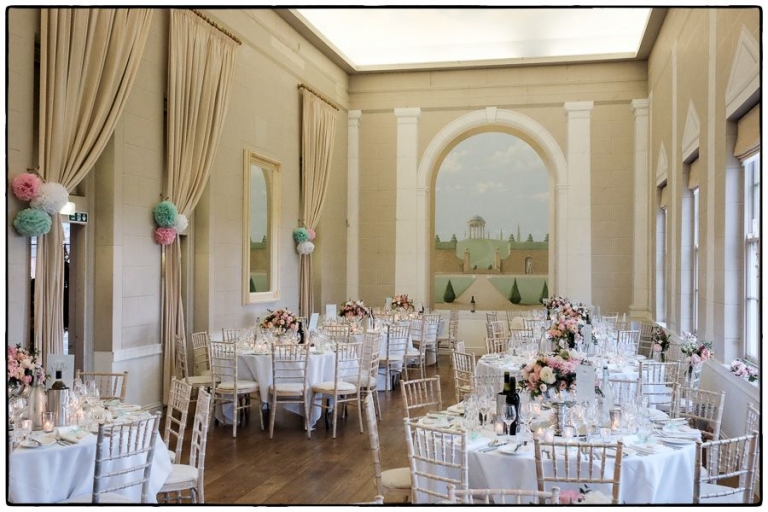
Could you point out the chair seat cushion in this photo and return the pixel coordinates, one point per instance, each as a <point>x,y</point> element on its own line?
<point>397,478</point>
<point>707,488</point>
<point>329,386</point>
<point>200,380</point>
<point>103,498</point>
<point>367,381</point>
<point>243,386</point>
<point>181,473</point>
<point>392,358</point>
<point>172,455</point>
<point>287,388</point>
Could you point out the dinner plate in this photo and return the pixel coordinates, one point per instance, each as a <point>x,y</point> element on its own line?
<point>456,409</point>
<point>640,357</point>
<point>45,440</point>
<point>124,407</point>
<point>677,441</point>
<point>509,449</point>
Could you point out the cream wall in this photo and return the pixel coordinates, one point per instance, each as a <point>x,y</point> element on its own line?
<point>538,92</point>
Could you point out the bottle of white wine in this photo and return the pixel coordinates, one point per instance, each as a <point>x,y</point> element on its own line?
<point>607,392</point>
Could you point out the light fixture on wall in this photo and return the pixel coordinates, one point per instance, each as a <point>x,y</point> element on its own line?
<point>68,209</point>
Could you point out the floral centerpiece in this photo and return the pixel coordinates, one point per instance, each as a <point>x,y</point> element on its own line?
<point>549,374</point>
<point>402,301</point>
<point>24,367</point>
<point>353,309</point>
<point>280,321</point>
<point>660,342</point>
<point>584,496</point>
<point>744,370</point>
<point>696,351</point>
<point>566,330</point>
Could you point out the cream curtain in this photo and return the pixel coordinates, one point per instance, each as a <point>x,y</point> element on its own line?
<point>318,130</point>
<point>200,68</point>
<point>88,62</point>
<point>748,136</point>
<point>693,174</point>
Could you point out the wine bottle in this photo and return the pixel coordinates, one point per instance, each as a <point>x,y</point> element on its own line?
<point>607,392</point>
<point>301,333</point>
<point>501,397</point>
<point>472,304</point>
<point>513,398</point>
<point>58,384</point>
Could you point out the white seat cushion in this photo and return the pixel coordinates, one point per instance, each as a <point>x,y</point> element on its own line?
<point>398,478</point>
<point>288,388</point>
<point>200,380</point>
<point>103,498</point>
<point>391,358</point>
<point>329,386</point>
<point>172,455</point>
<point>181,473</point>
<point>366,381</point>
<point>243,386</point>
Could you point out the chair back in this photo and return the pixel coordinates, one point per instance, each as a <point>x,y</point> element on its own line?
<point>492,381</point>
<point>503,496</point>
<point>703,410</point>
<point>398,335</point>
<point>628,339</point>
<point>224,363</point>
<point>349,356</point>
<point>235,335</point>
<point>111,385</point>
<point>733,460</point>
<point>421,395</point>
<point>610,320</point>
<point>453,325</point>
<point>124,454</point>
<point>289,364</point>
<point>491,316</point>
<point>460,346</point>
<point>199,440</point>
<point>579,463</point>
<point>463,371</point>
<point>494,328</point>
<point>200,349</point>
<point>180,346</point>
<point>496,344</point>
<point>438,457</point>
<point>644,346</point>
<point>176,415</point>
<point>337,333</point>
<point>373,437</point>
<point>658,381</point>
<point>369,365</point>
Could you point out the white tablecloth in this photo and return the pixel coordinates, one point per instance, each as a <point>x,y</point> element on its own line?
<point>258,367</point>
<point>53,473</point>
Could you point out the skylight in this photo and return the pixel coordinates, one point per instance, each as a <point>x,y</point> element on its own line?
<point>389,38</point>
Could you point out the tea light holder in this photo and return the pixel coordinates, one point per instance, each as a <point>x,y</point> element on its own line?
<point>539,433</point>
<point>548,435</point>
<point>605,434</point>
<point>568,432</point>
<point>498,425</point>
<point>616,420</point>
<point>536,408</point>
<point>48,422</point>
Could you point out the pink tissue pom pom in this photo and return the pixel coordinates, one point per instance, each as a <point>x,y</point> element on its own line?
<point>311,234</point>
<point>165,236</point>
<point>26,186</point>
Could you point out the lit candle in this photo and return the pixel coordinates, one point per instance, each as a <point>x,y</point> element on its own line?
<point>616,420</point>
<point>549,435</point>
<point>539,432</point>
<point>536,408</point>
<point>498,425</point>
<point>48,422</point>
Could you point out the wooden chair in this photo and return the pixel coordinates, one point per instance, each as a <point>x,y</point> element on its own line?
<point>495,329</point>
<point>337,332</point>
<point>518,337</point>
<point>658,382</point>
<point>491,316</point>
<point>463,371</point>
<point>492,381</point>
<point>391,482</point>
<point>503,496</point>
<point>397,337</point>
<point>344,389</point>
<point>191,477</point>
<point>423,333</point>
<point>124,454</point>
<point>610,320</point>
<point>703,410</point>
<point>625,389</point>
<point>449,340</point>
<point>496,345</point>
<point>645,344</point>
<point>196,381</point>
<point>438,458</point>
<point>369,367</point>
<point>289,380</point>
<point>579,463</point>
<point>460,346</point>
<point>235,335</point>
<point>736,462</point>
<point>228,387</point>
<point>200,347</point>
<point>753,423</point>
<point>176,417</point>
<point>111,385</point>
<point>422,395</point>
<point>629,339</point>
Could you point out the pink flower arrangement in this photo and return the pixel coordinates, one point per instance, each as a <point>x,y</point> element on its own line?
<point>402,301</point>
<point>353,309</point>
<point>550,372</point>
<point>697,352</point>
<point>23,366</point>
<point>26,186</point>
<point>165,236</point>
<point>744,370</point>
<point>569,496</point>
<point>280,321</point>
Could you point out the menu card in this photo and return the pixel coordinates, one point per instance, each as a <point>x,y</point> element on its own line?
<point>330,311</point>
<point>388,303</point>
<point>313,322</point>
<point>585,383</point>
<point>63,362</point>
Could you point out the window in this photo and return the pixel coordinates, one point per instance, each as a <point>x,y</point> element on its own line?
<point>752,258</point>
<point>695,264</point>
<point>661,256</point>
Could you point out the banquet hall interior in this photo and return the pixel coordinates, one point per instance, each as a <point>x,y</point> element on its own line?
<point>528,175</point>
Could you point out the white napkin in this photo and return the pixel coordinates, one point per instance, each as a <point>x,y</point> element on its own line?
<point>676,430</point>
<point>73,435</point>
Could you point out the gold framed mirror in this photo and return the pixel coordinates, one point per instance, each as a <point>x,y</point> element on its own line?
<point>261,211</point>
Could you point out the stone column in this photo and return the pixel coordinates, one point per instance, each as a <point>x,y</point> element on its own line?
<point>641,285</point>
<point>578,224</point>
<point>353,203</point>
<point>408,247</point>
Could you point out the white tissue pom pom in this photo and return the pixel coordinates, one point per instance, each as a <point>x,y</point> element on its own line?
<point>181,223</point>
<point>51,198</point>
<point>305,247</point>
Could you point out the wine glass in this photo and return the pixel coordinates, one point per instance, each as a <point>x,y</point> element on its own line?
<point>510,415</point>
<point>93,394</point>
<point>577,418</point>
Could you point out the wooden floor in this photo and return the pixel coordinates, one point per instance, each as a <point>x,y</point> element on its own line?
<point>290,469</point>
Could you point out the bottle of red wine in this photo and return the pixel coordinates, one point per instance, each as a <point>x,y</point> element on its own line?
<point>301,333</point>
<point>501,398</point>
<point>513,398</point>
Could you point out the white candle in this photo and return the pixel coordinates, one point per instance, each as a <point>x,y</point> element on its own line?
<point>48,422</point>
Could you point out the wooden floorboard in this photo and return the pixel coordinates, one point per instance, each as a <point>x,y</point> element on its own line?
<point>290,469</point>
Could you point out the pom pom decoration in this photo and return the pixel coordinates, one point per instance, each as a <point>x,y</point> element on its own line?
<point>165,214</point>
<point>165,236</point>
<point>26,186</point>
<point>300,235</point>
<point>32,222</point>
<point>305,247</point>
<point>311,234</point>
<point>50,198</point>
<point>181,223</point>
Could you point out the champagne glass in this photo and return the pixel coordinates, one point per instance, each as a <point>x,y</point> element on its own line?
<point>93,394</point>
<point>510,414</point>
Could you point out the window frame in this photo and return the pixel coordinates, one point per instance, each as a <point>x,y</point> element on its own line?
<point>752,241</point>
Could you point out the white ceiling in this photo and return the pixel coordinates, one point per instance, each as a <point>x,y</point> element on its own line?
<point>381,39</point>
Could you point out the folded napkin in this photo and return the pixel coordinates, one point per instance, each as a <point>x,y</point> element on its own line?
<point>456,409</point>
<point>649,448</point>
<point>683,431</point>
<point>72,435</point>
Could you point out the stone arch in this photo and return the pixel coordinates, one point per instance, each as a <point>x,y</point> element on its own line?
<point>493,119</point>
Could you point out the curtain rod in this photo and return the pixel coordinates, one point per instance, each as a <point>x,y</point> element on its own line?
<point>216,26</point>
<point>302,86</point>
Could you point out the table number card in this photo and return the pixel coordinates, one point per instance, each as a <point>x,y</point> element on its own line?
<point>330,312</point>
<point>313,322</point>
<point>585,383</point>
<point>388,303</point>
